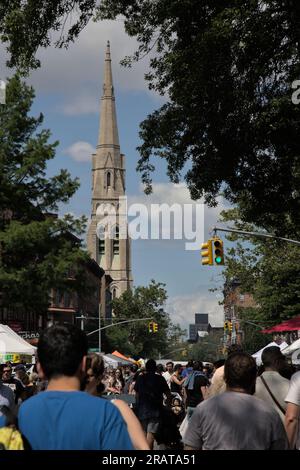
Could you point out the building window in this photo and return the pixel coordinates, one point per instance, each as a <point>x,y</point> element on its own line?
<point>101,240</point>
<point>101,247</point>
<point>59,297</point>
<point>108,179</point>
<point>67,299</point>
<point>116,241</point>
<point>114,293</point>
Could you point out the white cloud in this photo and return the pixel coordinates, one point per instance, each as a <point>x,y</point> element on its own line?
<point>80,66</point>
<point>76,73</point>
<point>80,151</point>
<point>182,309</point>
<point>190,223</point>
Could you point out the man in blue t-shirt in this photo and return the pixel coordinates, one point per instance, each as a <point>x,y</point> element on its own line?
<point>63,417</point>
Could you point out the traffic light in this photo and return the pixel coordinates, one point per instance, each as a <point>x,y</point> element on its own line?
<point>153,327</point>
<point>230,326</point>
<point>218,251</point>
<point>226,325</point>
<point>206,253</point>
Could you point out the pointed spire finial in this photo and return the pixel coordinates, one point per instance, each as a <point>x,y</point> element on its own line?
<point>108,134</point>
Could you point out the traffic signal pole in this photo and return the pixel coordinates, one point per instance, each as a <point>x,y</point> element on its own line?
<point>118,323</point>
<point>255,234</point>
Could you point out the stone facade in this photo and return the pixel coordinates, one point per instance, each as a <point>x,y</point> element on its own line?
<point>113,252</point>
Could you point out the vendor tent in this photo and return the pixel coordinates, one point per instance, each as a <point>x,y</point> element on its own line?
<point>115,361</point>
<point>291,348</point>
<point>121,356</point>
<point>257,355</point>
<point>11,343</point>
<point>293,324</point>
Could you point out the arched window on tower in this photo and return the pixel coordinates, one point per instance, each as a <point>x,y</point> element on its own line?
<point>116,241</point>
<point>101,241</point>
<point>114,293</point>
<point>108,179</point>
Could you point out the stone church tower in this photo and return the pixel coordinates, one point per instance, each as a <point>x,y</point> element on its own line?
<point>112,252</point>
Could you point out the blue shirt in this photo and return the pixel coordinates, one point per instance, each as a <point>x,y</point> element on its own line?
<point>2,421</point>
<point>58,420</point>
<point>186,372</point>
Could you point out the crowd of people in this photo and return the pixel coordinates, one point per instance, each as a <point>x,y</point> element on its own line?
<point>69,400</point>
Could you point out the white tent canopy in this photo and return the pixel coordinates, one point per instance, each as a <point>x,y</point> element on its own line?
<point>257,355</point>
<point>10,342</point>
<point>291,348</point>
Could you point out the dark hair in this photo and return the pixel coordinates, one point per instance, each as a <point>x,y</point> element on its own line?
<point>160,368</point>
<point>233,348</point>
<point>170,362</point>
<point>219,363</point>
<point>134,368</point>
<point>240,371</point>
<point>190,363</point>
<point>96,364</point>
<point>197,365</point>
<point>177,367</point>
<point>272,357</point>
<point>151,365</point>
<point>61,349</point>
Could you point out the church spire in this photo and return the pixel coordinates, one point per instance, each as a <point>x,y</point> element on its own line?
<point>108,133</point>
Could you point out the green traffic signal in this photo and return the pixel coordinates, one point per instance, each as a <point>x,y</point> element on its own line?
<point>218,251</point>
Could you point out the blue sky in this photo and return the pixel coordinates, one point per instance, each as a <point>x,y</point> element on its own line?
<point>68,90</point>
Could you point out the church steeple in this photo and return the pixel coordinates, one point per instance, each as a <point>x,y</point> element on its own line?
<point>108,132</point>
<point>113,253</point>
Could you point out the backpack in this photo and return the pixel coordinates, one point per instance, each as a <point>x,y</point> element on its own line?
<point>10,437</point>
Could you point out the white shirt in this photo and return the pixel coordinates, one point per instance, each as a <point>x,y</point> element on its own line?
<point>279,387</point>
<point>293,396</point>
<point>167,376</point>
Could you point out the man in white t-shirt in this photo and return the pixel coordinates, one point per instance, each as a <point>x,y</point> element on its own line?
<point>270,385</point>
<point>235,419</point>
<point>292,415</point>
<point>169,372</point>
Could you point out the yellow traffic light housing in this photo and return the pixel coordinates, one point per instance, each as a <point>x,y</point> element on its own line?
<point>206,253</point>
<point>230,326</point>
<point>153,327</point>
<point>226,325</point>
<point>218,251</point>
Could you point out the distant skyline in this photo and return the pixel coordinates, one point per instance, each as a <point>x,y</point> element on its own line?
<point>68,88</point>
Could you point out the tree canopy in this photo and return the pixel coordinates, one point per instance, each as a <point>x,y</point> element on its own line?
<point>268,269</point>
<point>134,338</point>
<point>36,247</point>
<point>226,69</point>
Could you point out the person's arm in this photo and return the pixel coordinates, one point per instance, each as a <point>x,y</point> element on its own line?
<point>176,380</point>
<point>134,427</point>
<point>291,423</point>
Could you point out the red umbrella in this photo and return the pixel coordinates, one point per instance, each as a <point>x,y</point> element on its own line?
<point>288,325</point>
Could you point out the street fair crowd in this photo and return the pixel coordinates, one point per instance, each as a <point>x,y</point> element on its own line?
<point>72,400</point>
